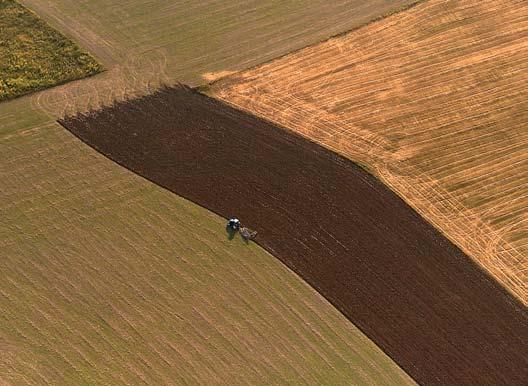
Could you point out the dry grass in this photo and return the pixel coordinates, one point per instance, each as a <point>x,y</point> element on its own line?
<point>34,56</point>
<point>435,101</point>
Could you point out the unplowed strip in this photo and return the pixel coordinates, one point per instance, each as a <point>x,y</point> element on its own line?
<point>396,277</point>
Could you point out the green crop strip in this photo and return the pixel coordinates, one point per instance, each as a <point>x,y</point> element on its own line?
<point>34,56</point>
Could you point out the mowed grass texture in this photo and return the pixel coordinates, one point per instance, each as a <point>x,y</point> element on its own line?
<point>107,279</point>
<point>93,209</point>
<point>34,56</point>
<point>145,43</point>
<point>434,101</point>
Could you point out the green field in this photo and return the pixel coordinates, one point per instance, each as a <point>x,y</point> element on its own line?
<point>34,56</point>
<point>110,279</point>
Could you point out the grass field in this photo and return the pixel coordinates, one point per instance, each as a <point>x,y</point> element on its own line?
<point>199,39</point>
<point>106,278</point>
<point>98,262</point>
<point>434,101</point>
<point>34,56</point>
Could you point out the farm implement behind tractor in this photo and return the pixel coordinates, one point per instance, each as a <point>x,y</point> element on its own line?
<point>233,225</point>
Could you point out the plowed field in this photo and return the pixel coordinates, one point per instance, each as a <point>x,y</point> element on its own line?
<point>435,101</point>
<point>425,303</point>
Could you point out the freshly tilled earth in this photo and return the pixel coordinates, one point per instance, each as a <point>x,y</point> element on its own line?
<point>424,302</point>
<point>435,100</point>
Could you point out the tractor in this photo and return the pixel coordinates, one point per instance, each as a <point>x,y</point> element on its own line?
<point>233,224</point>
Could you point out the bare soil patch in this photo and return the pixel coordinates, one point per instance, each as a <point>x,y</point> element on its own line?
<point>414,293</point>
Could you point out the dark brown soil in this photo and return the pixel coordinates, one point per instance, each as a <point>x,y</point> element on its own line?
<point>415,294</point>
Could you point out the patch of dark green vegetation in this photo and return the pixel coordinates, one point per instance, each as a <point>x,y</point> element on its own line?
<point>34,56</point>
<point>203,88</point>
<point>366,167</point>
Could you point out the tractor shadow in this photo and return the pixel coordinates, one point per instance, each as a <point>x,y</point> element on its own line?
<point>230,232</point>
<point>245,234</point>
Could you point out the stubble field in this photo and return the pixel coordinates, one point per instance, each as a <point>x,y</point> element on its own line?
<point>434,101</point>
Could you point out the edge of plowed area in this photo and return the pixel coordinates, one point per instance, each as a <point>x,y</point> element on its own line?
<point>205,87</point>
<point>441,317</point>
<point>472,191</point>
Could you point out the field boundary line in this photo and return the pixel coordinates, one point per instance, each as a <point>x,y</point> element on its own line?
<point>206,85</point>
<point>475,249</point>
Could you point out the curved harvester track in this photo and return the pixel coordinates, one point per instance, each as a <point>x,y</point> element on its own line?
<point>428,306</point>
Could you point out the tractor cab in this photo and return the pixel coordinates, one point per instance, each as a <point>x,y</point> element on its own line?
<point>233,224</point>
